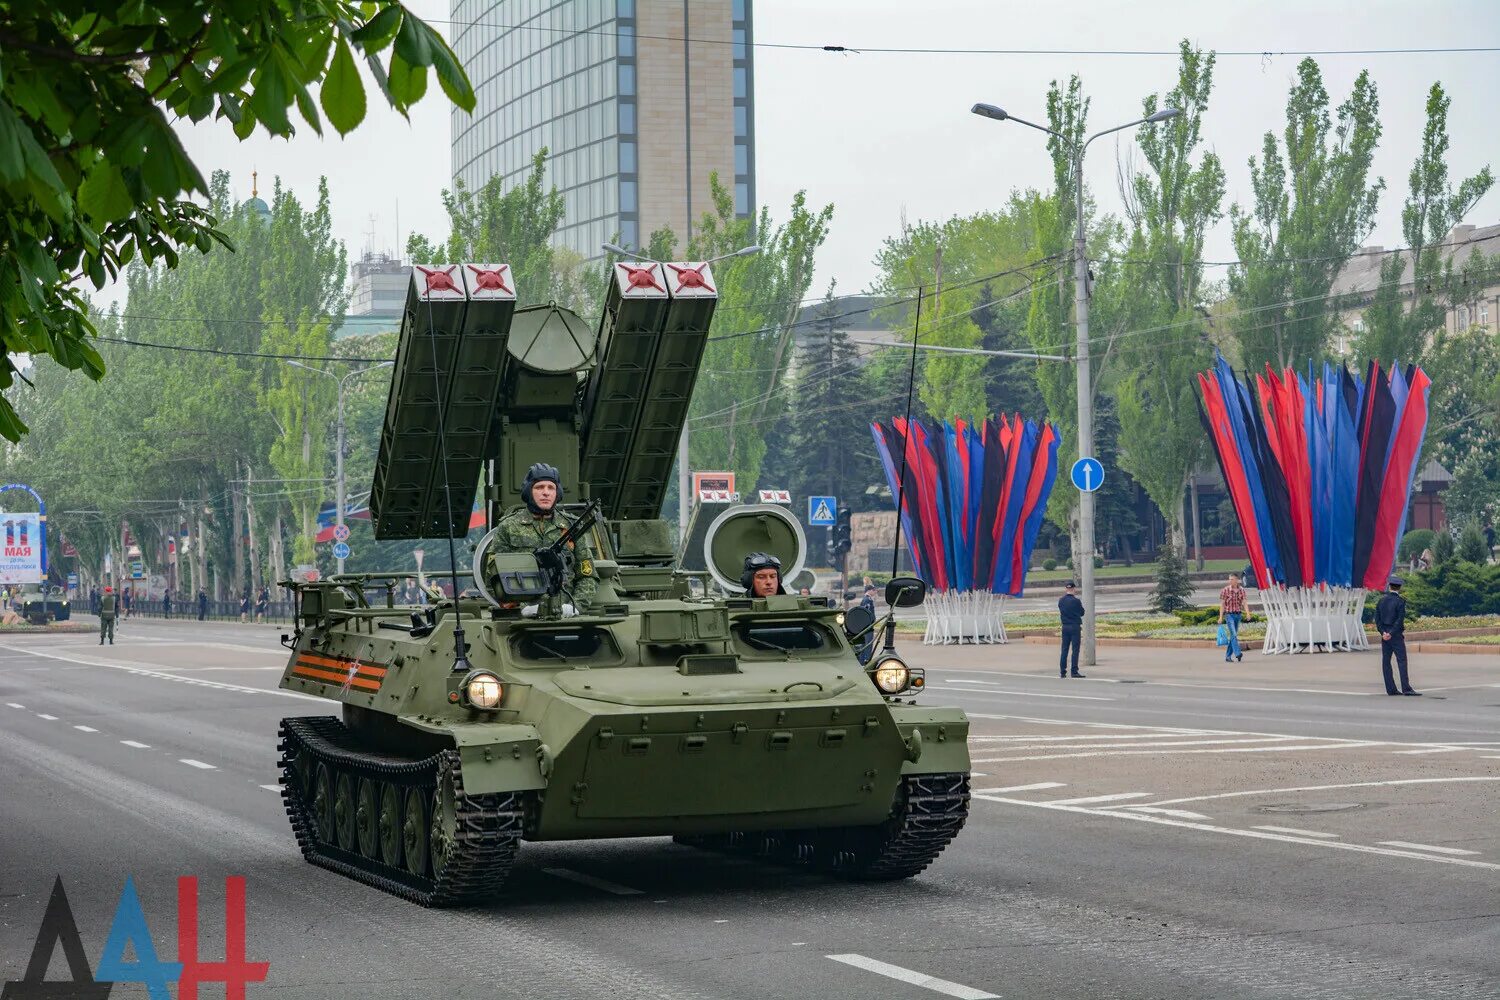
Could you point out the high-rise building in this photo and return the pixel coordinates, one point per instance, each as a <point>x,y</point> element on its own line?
<point>638,102</point>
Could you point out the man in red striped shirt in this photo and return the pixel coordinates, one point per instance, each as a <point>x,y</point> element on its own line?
<point>1232,609</point>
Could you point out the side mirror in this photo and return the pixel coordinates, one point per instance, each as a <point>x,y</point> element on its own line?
<point>857,620</point>
<point>905,592</point>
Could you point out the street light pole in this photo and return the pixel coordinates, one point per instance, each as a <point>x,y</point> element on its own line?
<point>1083,555</point>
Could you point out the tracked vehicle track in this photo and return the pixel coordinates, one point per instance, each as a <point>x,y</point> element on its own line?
<point>930,810</point>
<point>460,849</point>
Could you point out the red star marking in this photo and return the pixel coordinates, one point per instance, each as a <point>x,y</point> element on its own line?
<point>494,280</point>
<point>438,281</point>
<point>640,277</point>
<point>692,277</point>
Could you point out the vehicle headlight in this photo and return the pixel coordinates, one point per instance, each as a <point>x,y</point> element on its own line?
<point>484,691</point>
<point>839,619</point>
<point>892,675</point>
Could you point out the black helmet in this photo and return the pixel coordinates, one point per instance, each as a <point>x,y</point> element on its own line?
<point>757,561</point>
<point>540,472</point>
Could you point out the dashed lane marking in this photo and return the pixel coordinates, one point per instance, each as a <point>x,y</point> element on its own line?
<point>1031,738</point>
<point>921,979</point>
<point>271,788</point>
<point>1296,832</point>
<point>1414,753</point>
<point>190,762</point>
<point>138,746</point>
<point>49,718</point>
<point>1123,746</point>
<point>1138,817</point>
<point>1323,788</point>
<point>86,729</point>
<point>1116,797</point>
<point>603,885</point>
<point>14,705</point>
<point>144,672</point>
<point>1159,811</point>
<point>1274,748</point>
<point>1020,694</point>
<point>1038,786</point>
<point>1426,847</point>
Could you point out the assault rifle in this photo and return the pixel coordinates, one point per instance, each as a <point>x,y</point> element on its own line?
<point>555,561</point>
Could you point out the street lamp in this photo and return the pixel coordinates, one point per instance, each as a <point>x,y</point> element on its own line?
<point>338,507</point>
<point>1083,560</point>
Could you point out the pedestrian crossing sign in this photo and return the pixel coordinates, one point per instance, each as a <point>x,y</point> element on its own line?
<point>820,510</point>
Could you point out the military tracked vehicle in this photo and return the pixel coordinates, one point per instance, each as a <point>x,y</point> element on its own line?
<point>493,716</point>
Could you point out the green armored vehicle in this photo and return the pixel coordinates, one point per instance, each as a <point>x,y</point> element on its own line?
<point>516,710</point>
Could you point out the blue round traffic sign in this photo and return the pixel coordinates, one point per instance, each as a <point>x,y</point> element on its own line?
<point>341,550</point>
<point>1088,474</point>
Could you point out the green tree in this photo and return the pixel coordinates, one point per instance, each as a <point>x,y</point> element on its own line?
<point>1463,427</point>
<point>92,174</point>
<point>1173,585</point>
<point>1471,547</point>
<point>1313,205</point>
<point>301,402</point>
<point>1172,204</point>
<point>1392,328</point>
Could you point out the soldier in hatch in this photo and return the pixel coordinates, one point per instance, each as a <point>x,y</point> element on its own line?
<point>762,575</point>
<point>540,523</point>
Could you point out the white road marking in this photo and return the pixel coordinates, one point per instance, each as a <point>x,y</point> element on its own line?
<point>138,746</point>
<point>1026,788</point>
<point>1320,788</point>
<point>1297,832</point>
<point>1164,743</point>
<point>1179,813</point>
<point>1116,797</point>
<point>1426,847</point>
<point>190,762</point>
<point>86,729</point>
<point>14,705</point>
<point>592,882</point>
<point>271,788</point>
<point>1089,736</point>
<point>1185,684</point>
<point>1276,748</point>
<point>145,672</point>
<point>1021,694</point>
<point>1236,832</point>
<point>923,980</point>
<point>1429,750</point>
<point>49,718</point>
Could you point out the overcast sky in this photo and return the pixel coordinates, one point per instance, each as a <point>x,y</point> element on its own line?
<point>879,134</point>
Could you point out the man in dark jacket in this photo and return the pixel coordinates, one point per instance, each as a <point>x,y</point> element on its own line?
<point>202,604</point>
<point>1070,608</point>
<point>1390,619</point>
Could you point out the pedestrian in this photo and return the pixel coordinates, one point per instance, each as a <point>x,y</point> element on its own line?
<point>166,604</point>
<point>128,600</point>
<point>94,600</point>
<point>1231,611</point>
<point>262,601</point>
<point>202,604</point>
<point>867,645</point>
<point>1070,609</point>
<point>107,615</point>
<point>1390,619</point>
<point>245,605</point>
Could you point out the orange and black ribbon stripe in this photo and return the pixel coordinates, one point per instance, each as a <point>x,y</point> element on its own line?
<point>335,670</point>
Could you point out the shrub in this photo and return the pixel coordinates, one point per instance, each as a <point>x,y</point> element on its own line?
<point>1098,562</point>
<point>1454,588</point>
<point>1442,548</point>
<point>1173,587</point>
<point>1049,564</point>
<point>1471,547</point>
<point>1414,542</point>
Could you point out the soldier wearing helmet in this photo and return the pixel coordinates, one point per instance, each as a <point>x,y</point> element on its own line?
<point>540,523</point>
<point>762,575</point>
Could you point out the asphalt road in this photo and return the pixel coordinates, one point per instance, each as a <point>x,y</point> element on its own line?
<point>1170,827</point>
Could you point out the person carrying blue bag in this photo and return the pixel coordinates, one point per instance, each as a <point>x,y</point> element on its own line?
<point>1231,612</point>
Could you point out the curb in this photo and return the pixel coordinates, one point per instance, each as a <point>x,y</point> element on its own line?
<point>1419,646</point>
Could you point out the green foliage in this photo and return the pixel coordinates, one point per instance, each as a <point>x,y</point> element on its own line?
<point>1442,548</point>
<point>1314,204</point>
<point>1049,564</point>
<point>1471,547</point>
<point>1454,587</point>
<point>300,402</point>
<point>1463,428</point>
<point>1414,543</point>
<point>1209,616</point>
<point>92,174</point>
<point>1173,585</point>
<point>1392,330</point>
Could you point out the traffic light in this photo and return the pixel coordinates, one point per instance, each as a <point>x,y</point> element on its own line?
<point>841,531</point>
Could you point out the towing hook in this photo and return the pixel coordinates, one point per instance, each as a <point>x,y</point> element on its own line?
<point>914,746</point>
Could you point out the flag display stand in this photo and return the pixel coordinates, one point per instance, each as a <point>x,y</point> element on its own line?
<point>1319,468</point>
<point>959,616</point>
<point>1306,619</point>
<point>972,499</point>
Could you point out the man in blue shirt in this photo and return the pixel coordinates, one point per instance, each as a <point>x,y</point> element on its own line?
<point>1070,609</point>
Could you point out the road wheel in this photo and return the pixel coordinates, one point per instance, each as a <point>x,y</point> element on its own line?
<point>343,811</point>
<point>444,826</point>
<point>414,831</point>
<point>366,809</point>
<point>322,803</point>
<point>388,825</point>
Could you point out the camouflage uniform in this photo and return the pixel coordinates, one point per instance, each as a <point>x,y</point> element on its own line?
<point>522,531</point>
<point>107,618</point>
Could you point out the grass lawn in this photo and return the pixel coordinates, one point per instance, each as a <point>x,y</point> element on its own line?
<point>1038,575</point>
